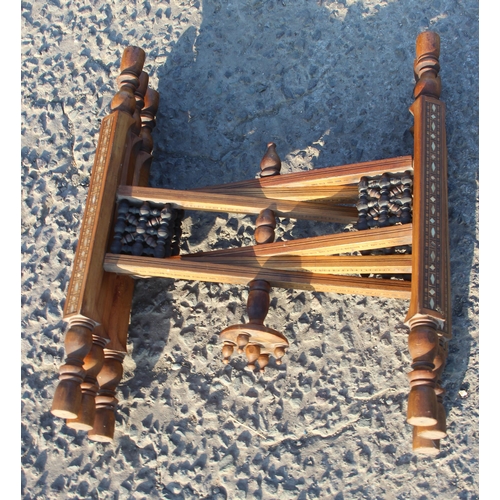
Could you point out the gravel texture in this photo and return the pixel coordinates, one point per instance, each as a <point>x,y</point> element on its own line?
<point>330,83</point>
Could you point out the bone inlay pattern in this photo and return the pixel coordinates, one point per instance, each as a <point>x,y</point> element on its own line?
<point>432,221</point>
<point>82,255</point>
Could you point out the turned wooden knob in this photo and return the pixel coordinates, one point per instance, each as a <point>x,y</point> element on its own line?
<point>270,163</point>
<point>252,352</point>
<point>279,352</point>
<point>263,361</point>
<point>227,351</point>
<point>242,341</point>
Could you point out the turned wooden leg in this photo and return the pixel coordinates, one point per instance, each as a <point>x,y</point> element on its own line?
<point>109,377</point>
<point>423,346</point>
<point>68,396</point>
<point>92,365</point>
<point>438,430</point>
<point>430,310</point>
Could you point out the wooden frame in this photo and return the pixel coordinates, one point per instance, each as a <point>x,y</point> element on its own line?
<point>101,287</point>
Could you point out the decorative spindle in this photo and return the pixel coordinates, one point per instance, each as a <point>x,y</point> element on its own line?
<point>423,347</point>
<point>109,377</point>
<point>120,226</point>
<point>130,70</point>
<point>139,94</point>
<point>438,430</point>
<point>148,113</point>
<point>266,224</point>
<point>92,365</point>
<point>362,205</point>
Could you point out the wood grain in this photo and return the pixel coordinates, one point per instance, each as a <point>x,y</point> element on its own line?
<point>214,202</point>
<point>189,269</point>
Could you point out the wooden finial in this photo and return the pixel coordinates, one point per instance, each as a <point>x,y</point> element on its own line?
<point>130,70</point>
<point>270,163</point>
<point>438,430</point>
<point>426,66</point>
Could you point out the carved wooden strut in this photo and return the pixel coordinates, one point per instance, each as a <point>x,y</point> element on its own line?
<point>399,207</point>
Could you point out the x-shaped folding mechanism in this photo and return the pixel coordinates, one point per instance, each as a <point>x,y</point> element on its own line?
<point>133,231</point>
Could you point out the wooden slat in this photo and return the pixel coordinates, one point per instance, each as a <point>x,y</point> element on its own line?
<point>331,244</point>
<point>190,269</point>
<point>87,274</point>
<point>369,264</point>
<point>321,194</point>
<point>329,176</point>
<point>214,202</point>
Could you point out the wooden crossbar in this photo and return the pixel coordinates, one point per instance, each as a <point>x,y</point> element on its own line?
<point>214,202</point>
<point>330,244</point>
<point>328,176</point>
<point>345,264</point>
<point>192,269</point>
<point>321,194</point>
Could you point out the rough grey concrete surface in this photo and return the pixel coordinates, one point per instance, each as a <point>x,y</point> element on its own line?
<point>330,83</point>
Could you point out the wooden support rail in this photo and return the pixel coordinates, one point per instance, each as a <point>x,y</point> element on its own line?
<point>191,269</point>
<point>330,195</point>
<point>341,175</point>
<point>214,202</point>
<point>345,264</point>
<point>330,244</point>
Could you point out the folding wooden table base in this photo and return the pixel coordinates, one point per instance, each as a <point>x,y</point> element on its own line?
<point>398,205</point>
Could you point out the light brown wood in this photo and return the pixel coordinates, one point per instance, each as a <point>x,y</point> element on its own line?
<point>87,273</point>
<point>321,194</point>
<point>331,244</point>
<point>369,264</point>
<point>214,202</point>
<point>178,268</point>
<point>341,175</point>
